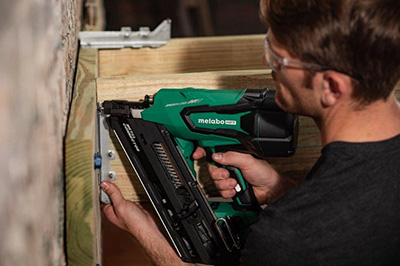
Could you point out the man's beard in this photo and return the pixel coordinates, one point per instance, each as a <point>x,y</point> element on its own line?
<point>289,101</point>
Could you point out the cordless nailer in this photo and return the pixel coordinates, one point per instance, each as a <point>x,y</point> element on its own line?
<point>159,135</point>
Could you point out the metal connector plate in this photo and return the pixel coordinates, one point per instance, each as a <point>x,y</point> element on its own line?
<point>107,154</point>
<point>127,38</point>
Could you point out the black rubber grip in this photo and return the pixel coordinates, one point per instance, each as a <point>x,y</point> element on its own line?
<point>244,199</point>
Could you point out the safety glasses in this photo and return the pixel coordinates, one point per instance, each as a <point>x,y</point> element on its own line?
<point>277,62</point>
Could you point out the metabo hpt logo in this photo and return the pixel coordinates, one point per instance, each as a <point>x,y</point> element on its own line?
<point>216,121</point>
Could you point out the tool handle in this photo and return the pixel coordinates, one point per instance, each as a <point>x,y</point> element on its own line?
<point>244,198</point>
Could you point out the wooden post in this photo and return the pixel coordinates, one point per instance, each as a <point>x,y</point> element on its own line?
<point>82,206</point>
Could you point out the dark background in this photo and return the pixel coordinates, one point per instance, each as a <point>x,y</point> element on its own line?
<point>226,17</point>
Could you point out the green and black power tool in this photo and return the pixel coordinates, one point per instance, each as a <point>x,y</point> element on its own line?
<point>159,135</point>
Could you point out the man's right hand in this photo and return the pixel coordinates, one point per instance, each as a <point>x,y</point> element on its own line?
<point>267,184</point>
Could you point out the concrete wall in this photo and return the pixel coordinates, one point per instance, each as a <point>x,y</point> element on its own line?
<point>38,48</point>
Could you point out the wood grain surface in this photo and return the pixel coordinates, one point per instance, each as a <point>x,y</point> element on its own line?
<point>82,206</point>
<point>185,55</point>
<point>137,86</point>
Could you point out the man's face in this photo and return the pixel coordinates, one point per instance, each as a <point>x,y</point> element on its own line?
<point>294,89</point>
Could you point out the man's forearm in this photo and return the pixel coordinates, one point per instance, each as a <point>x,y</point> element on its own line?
<point>268,194</point>
<point>159,250</point>
<point>141,223</point>
<point>284,185</point>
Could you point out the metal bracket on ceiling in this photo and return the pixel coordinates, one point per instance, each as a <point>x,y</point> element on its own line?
<point>127,38</point>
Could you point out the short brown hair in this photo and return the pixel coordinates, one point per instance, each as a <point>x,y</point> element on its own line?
<point>356,36</point>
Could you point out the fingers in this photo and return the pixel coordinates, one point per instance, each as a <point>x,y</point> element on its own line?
<point>226,187</point>
<point>113,192</point>
<point>218,173</point>
<point>239,160</point>
<point>199,153</point>
<point>109,212</point>
<point>223,183</point>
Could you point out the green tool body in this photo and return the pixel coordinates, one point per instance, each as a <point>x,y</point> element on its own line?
<point>224,120</point>
<point>159,136</point>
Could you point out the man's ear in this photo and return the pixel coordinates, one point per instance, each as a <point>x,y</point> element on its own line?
<point>334,87</point>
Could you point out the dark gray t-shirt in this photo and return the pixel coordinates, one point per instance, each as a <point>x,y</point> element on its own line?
<point>347,212</point>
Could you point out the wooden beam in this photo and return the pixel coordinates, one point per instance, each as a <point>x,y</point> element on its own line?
<point>82,206</point>
<point>186,55</point>
<point>134,88</point>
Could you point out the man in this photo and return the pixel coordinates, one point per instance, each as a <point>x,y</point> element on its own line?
<point>337,61</point>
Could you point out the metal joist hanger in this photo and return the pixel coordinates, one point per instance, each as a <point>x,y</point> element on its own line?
<point>127,38</point>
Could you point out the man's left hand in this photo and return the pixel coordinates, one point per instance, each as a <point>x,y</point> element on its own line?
<point>138,221</point>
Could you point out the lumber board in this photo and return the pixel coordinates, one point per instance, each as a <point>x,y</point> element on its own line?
<point>82,202</point>
<point>134,88</point>
<point>185,55</point>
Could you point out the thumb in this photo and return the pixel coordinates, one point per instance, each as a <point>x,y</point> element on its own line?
<point>113,192</point>
<point>236,159</point>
